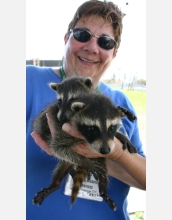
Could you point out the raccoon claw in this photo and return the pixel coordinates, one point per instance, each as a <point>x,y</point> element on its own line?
<point>40,196</point>
<point>98,170</point>
<point>99,166</point>
<point>95,174</point>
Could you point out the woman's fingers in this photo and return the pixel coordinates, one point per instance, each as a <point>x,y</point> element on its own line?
<point>41,143</point>
<point>71,130</point>
<point>50,124</point>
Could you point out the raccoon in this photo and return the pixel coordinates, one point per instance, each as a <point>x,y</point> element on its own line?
<point>96,117</point>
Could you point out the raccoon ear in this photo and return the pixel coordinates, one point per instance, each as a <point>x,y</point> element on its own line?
<point>76,106</point>
<point>125,112</point>
<point>88,82</point>
<point>54,86</point>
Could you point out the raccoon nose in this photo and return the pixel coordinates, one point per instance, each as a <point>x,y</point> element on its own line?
<point>62,118</point>
<point>105,150</point>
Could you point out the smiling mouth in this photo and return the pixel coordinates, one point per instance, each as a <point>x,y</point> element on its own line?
<point>87,61</point>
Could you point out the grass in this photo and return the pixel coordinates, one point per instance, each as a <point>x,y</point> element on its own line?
<point>138,99</point>
<point>137,216</point>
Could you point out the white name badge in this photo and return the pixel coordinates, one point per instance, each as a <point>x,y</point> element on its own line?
<point>88,190</point>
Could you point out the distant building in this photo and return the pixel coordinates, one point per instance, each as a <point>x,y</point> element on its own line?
<point>48,63</point>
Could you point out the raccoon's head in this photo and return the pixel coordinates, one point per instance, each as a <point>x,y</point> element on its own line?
<point>101,139</point>
<point>67,91</point>
<point>97,119</point>
<point>98,127</point>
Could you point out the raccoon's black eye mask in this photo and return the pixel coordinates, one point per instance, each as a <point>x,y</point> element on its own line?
<point>91,130</point>
<point>112,129</point>
<point>59,102</point>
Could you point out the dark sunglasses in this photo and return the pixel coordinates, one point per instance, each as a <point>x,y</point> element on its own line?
<point>83,35</point>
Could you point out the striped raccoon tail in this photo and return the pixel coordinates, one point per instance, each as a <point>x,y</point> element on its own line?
<point>78,179</point>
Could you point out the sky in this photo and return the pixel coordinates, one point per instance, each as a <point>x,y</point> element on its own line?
<point>47,21</point>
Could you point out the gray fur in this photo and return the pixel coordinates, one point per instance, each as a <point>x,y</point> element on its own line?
<point>96,117</point>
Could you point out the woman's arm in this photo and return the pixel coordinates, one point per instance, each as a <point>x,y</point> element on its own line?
<point>129,168</point>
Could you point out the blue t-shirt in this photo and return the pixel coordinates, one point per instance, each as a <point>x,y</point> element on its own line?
<point>39,165</point>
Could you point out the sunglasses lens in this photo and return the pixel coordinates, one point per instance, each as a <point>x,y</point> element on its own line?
<point>81,35</point>
<point>106,43</point>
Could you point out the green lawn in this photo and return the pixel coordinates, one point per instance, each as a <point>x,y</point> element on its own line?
<point>138,99</point>
<point>137,216</point>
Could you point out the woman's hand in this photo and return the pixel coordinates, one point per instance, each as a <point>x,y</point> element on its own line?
<point>84,148</point>
<point>38,139</point>
<point>41,143</point>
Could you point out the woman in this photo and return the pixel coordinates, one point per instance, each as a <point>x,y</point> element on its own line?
<point>91,43</point>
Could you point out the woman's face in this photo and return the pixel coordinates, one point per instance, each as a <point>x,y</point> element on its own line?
<point>88,59</point>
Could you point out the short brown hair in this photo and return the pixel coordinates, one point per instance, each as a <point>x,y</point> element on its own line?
<point>105,9</point>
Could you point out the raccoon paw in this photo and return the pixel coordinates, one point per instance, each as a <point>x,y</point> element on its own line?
<point>99,167</point>
<point>95,174</point>
<point>127,113</point>
<point>98,170</point>
<point>40,196</point>
<point>92,172</point>
<point>109,201</point>
<point>128,145</point>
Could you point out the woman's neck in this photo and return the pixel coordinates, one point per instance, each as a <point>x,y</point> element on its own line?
<point>56,70</point>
